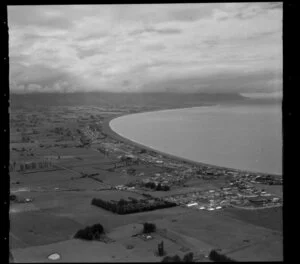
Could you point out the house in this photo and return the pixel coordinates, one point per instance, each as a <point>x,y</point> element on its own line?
<point>192,204</point>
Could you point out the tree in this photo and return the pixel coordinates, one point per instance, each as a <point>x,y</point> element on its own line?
<point>150,185</point>
<point>175,258</point>
<point>188,257</point>
<point>166,188</point>
<point>214,255</point>
<point>122,202</point>
<point>149,228</point>
<point>158,187</point>
<point>167,259</point>
<point>143,151</point>
<point>13,197</point>
<point>90,232</point>
<point>161,250</point>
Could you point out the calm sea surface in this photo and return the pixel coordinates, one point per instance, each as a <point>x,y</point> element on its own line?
<point>242,137</point>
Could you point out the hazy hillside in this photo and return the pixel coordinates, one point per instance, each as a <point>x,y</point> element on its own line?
<point>121,99</point>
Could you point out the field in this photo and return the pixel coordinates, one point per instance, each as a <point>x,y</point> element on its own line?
<point>270,218</point>
<point>117,195</point>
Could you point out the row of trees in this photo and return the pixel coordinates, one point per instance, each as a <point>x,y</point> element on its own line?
<point>157,187</point>
<point>31,165</point>
<point>133,206</point>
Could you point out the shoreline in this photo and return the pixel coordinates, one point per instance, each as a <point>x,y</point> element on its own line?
<point>111,133</point>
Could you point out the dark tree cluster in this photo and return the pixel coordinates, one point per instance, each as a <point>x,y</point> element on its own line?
<point>216,256</point>
<point>149,228</point>
<point>12,197</point>
<point>25,139</point>
<point>90,232</point>
<point>35,165</point>
<point>84,140</point>
<point>58,130</point>
<point>189,257</point>
<point>133,206</point>
<point>157,187</point>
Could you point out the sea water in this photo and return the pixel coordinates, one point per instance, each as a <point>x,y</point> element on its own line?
<point>247,137</point>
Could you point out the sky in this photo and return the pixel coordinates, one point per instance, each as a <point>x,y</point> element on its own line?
<point>215,47</point>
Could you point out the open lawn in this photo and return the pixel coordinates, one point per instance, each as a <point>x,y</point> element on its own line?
<point>46,178</point>
<point>268,218</point>
<point>218,230</point>
<point>117,195</point>
<point>81,251</point>
<point>265,251</point>
<point>48,229</point>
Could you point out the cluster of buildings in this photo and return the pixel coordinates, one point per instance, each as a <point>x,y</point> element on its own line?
<point>207,200</point>
<point>88,135</point>
<point>240,191</point>
<point>123,188</point>
<point>224,197</point>
<point>164,179</point>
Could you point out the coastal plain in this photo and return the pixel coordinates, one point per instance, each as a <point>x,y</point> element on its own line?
<point>77,158</point>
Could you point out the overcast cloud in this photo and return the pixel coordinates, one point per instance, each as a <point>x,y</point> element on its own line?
<point>234,47</point>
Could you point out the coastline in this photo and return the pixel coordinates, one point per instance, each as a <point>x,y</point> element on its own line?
<point>111,133</point>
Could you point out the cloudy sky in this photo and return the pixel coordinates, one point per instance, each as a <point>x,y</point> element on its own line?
<point>232,47</point>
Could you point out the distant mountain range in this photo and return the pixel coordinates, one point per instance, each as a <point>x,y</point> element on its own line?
<point>106,99</point>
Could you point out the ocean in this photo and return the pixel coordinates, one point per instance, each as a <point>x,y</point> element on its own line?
<point>247,137</point>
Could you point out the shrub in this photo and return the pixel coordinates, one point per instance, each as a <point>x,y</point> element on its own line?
<point>12,197</point>
<point>166,188</point>
<point>150,185</point>
<point>90,233</point>
<point>214,255</point>
<point>149,228</point>
<point>175,258</point>
<point>188,257</point>
<point>167,259</point>
<point>158,187</point>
